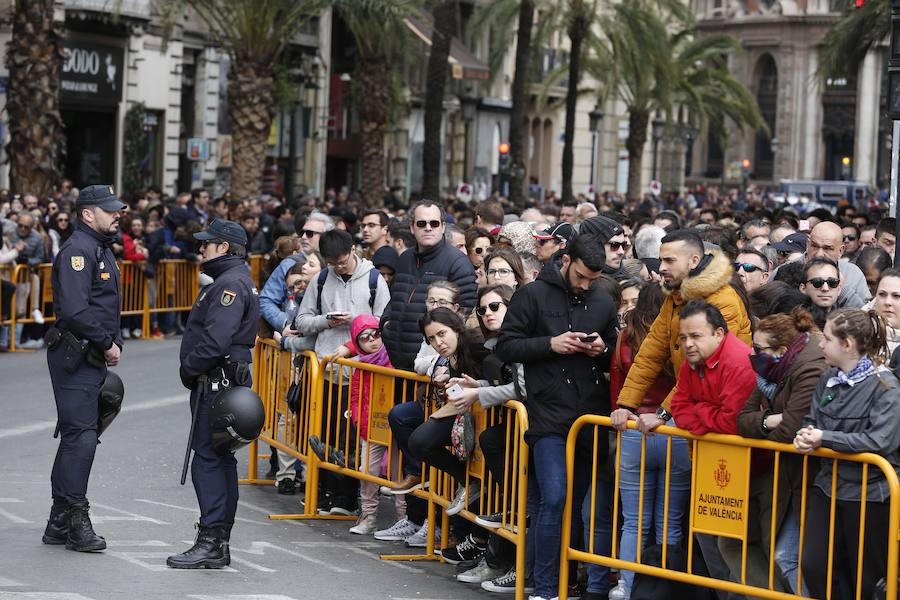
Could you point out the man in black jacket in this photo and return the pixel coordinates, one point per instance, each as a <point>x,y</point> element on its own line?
<point>561,328</point>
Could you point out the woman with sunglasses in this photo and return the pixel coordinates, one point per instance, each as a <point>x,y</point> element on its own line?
<point>478,244</point>
<point>60,228</point>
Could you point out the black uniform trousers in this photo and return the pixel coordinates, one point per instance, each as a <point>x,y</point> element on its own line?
<point>76,409</point>
<point>214,475</point>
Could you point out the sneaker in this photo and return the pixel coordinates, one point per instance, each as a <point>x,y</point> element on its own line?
<point>37,316</point>
<point>136,333</point>
<point>397,532</point>
<point>464,497</point>
<point>385,491</point>
<point>407,485</point>
<point>468,549</point>
<point>620,592</point>
<point>481,572</point>
<point>287,487</point>
<point>126,335</point>
<point>506,584</point>
<point>32,345</point>
<point>364,525</point>
<point>342,505</point>
<point>157,334</point>
<point>420,538</point>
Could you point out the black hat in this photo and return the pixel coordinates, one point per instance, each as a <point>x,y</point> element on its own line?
<point>103,196</point>
<point>220,229</point>
<point>603,227</point>
<point>796,242</point>
<point>385,256</point>
<point>563,232</point>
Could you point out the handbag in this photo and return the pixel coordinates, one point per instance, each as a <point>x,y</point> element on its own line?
<point>462,436</point>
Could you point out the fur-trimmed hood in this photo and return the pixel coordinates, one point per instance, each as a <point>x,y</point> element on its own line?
<point>712,277</point>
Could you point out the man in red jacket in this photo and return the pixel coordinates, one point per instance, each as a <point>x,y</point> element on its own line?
<point>716,377</point>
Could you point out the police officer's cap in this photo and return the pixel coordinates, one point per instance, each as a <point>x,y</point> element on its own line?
<point>103,196</point>
<point>220,229</point>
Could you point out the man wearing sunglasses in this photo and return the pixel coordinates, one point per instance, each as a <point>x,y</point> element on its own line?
<point>752,267</point>
<point>316,224</point>
<point>823,284</point>
<point>551,240</point>
<point>615,243</point>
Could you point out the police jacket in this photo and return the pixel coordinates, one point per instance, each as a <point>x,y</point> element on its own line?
<point>223,319</point>
<point>560,387</point>
<point>86,293</point>
<point>415,271</point>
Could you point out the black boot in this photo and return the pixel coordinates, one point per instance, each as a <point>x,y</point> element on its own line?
<point>81,536</point>
<point>57,525</point>
<point>210,551</point>
<point>226,543</point>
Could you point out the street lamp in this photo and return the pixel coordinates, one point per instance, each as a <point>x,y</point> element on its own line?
<point>595,118</point>
<point>688,135</point>
<point>656,134</point>
<point>469,104</point>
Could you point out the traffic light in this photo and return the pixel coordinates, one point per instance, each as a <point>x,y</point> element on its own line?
<point>860,3</point>
<point>504,163</point>
<point>745,166</point>
<point>845,161</point>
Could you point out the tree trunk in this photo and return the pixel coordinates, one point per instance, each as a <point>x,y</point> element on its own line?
<point>638,120</point>
<point>577,32</point>
<point>517,129</point>
<point>251,89</point>
<point>37,141</point>
<point>372,98</point>
<point>444,15</point>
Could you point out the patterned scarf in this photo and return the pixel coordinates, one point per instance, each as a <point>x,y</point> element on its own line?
<point>768,380</point>
<point>863,369</point>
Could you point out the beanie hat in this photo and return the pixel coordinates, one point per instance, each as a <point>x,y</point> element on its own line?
<point>602,227</point>
<point>385,256</point>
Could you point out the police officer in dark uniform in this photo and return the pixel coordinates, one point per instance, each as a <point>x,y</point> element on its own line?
<point>85,340</point>
<point>217,343</point>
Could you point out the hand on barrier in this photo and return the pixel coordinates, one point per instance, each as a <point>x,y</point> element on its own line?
<point>620,418</point>
<point>646,423</point>
<point>289,331</point>
<point>112,355</point>
<point>808,439</point>
<point>341,352</point>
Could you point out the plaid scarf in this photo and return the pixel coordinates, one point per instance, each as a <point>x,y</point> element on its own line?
<point>863,369</point>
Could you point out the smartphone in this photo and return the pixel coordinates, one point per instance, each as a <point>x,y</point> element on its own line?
<point>334,315</point>
<point>454,390</point>
<point>589,339</point>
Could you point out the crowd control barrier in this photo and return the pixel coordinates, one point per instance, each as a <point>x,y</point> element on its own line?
<point>720,505</point>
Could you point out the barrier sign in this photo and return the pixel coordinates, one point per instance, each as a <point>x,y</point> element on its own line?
<point>721,487</point>
<point>380,403</point>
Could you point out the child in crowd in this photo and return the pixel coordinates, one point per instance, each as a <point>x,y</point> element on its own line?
<point>366,345</point>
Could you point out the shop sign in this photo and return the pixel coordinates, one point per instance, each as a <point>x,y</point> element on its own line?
<point>91,74</point>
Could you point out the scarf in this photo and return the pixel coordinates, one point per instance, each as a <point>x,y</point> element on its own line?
<point>863,369</point>
<point>771,370</point>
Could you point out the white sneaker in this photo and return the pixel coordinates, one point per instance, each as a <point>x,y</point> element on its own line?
<point>620,592</point>
<point>399,531</point>
<point>32,345</point>
<point>38,316</point>
<point>125,334</point>
<point>420,538</point>
<point>364,525</point>
<point>136,334</point>
<point>462,499</point>
<point>479,573</point>
<point>542,598</point>
<point>505,584</point>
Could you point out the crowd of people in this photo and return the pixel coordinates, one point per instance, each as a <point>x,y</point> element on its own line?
<point>709,312</point>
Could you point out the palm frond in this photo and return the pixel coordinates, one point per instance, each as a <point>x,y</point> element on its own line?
<point>858,31</point>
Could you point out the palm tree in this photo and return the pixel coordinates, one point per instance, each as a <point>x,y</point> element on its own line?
<point>254,34</point>
<point>445,24</point>
<point>652,68</point>
<point>37,142</point>
<point>380,34</point>
<point>858,31</point>
<point>521,78</point>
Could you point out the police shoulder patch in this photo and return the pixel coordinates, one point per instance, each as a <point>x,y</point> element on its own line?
<point>228,298</point>
<point>77,263</point>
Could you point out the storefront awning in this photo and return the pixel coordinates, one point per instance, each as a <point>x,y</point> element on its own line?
<point>463,64</point>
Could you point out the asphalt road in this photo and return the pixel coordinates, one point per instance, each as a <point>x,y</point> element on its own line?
<point>145,515</point>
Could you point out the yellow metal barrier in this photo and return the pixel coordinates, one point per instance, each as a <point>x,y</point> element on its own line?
<point>709,465</point>
<point>257,262</point>
<point>176,284</point>
<point>27,297</point>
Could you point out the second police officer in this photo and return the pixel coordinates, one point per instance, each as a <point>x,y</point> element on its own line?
<point>84,341</point>
<point>217,343</point>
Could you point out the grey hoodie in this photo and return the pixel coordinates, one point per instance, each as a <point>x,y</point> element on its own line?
<point>339,296</point>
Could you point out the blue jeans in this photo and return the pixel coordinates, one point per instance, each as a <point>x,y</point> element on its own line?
<point>549,454</point>
<point>653,511</point>
<point>787,550</point>
<point>598,576</point>
<point>404,419</point>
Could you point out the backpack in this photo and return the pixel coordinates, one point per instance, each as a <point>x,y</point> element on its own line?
<point>373,287</point>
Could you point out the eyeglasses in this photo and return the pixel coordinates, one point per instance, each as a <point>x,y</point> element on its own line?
<point>370,225</point>
<point>206,243</point>
<point>553,239</point>
<point>309,233</point>
<point>850,238</point>
<point>62,220</point>
<point>500,272</point>
<point>748,267</point>
<point>492,306</point>
<point>614,246</point>
<point>434,224</point>
<point>818,282</point>
<point>479,249</point>
<point>435,302</point>
<point>757,349</point>
<point>368,337</point>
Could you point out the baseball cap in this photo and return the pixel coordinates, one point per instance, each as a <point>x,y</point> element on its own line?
<point>102,196</point>
<point>796,242</point>
<point>220,229</point>
<point>564,232</point>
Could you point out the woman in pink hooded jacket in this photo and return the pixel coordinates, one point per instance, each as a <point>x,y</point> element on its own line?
<point>366,345</point>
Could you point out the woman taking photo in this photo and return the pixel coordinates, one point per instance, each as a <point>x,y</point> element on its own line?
<point>855,408</point>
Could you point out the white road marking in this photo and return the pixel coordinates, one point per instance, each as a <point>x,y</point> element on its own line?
<point>133,516</point>
<point>12,517</point>
<point>158,564</point>
<point>362,548</point>
<point>4,582</point>
<point>51,425</point>
<point>41,596</point>
<point>265,511</point>
<point>137,544</point>
<point>240,597</point>
<point>252,565</point>
<point>195,510</point>
<point>259,549</point>
<point>9,500</point>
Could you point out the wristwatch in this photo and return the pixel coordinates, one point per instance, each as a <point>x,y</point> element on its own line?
<point>762,425</point>
<point>663,415</point>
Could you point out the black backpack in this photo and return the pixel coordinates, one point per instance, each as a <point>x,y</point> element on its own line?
<point>373,287</point>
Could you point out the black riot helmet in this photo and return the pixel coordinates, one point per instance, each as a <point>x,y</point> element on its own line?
<point>236,418</point>
<point>110,401</point>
